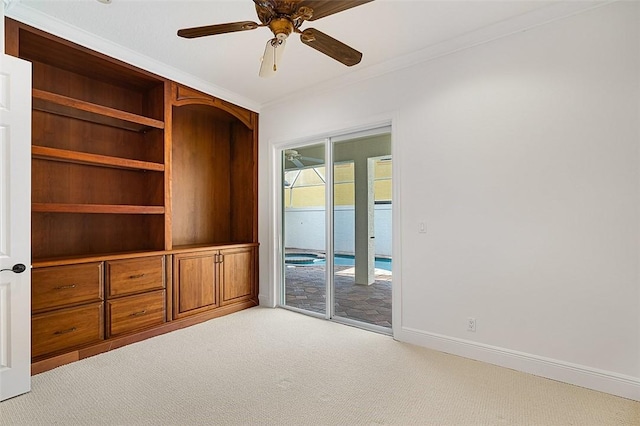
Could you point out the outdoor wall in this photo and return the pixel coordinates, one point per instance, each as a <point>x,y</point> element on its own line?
<point>521,156</point>
<point>304,229</point>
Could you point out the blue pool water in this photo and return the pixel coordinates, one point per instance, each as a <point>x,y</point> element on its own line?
<point>339,259</point>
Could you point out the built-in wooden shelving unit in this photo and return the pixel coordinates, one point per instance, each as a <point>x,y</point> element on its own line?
<point>87,111</point>
<point>144,201</point>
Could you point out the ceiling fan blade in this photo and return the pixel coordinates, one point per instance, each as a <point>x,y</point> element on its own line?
<point>322,8</point>
<point>265,10</point>
<point>267,4</point>
<point>272,56</point>
<point>330,47</point>
<point>312,160</point>
<point>298,163</point>
<point>217,29</point>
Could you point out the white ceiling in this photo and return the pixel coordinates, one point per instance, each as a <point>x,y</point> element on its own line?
<point>390,34</point>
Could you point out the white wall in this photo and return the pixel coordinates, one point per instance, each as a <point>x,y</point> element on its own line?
<point>522,157</point>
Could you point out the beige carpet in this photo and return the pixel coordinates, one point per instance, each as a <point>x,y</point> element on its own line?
<point>266,366</point>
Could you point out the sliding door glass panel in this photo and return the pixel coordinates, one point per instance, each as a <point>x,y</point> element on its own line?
<point>361,215</point>
<point>304,224</point>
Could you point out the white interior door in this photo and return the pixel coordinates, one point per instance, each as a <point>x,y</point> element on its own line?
<point>15,226</point>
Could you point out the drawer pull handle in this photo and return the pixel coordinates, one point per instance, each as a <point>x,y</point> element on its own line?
<point>137,314</point>
<point>70,330</point>
<point>64,287</point>
<point>133,277</point>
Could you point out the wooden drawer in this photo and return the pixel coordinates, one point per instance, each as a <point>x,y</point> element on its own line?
<point>60,286</point>
<point>66,328</point>
<point>133,276</point>
<point>134,312</point>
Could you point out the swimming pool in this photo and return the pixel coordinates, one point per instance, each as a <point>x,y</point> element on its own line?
<point>307,259</point>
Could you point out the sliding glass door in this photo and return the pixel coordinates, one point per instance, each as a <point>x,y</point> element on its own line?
<point>337,229</point>
<point>304,224</point>
<point>362,226</point>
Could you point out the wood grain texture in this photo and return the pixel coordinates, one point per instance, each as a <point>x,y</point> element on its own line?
<point>86,111</point>
<point>65,329</point>
<point>131,313</point>
<point>195,283</point>
<point>71,183</point>
<point>168,171</point>
<point>244,185</point>
<point>75,157</point>
<point>237,275</point>
<point>183,96</point>
<point>323,8</point>
<point>74,260</point>
<point>112,189</point>
<point>131,276</point>
<point>201,177</point>
<point>62,235</point>
<point>331,47</point>
<point>62,286</point>
<point>54,131</point>
<point>169,287</point>
<point>97,172</point>
<point>38,46</point>
<point>42,364</point>
<point>95,208</point>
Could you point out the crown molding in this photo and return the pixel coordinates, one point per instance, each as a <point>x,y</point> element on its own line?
<point>560,10</point>
<point>524,22</point>
<point>20,12</point>
<point>9,3</point>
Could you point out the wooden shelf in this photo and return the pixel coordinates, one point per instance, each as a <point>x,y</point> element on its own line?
<point>76,157</point>
<point>87,111</point>
<point>95,208</point>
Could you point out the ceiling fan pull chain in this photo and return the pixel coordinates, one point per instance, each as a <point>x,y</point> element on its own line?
<point>284,17</point>
<point>275,55</point>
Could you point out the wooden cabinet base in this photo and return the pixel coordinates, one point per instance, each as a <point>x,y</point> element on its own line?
<point>41,366</point>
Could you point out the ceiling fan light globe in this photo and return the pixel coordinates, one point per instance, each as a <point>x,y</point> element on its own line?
<point>272,56</point>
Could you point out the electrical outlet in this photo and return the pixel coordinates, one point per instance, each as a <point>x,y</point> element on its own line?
<point>471,324</point>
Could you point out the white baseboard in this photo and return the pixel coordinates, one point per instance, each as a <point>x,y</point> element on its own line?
<point>580,375</point>
<point>265,301</point>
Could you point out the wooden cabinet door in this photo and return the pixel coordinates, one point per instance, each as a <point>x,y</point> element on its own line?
<point>195,283</point>
<point>237,274</point>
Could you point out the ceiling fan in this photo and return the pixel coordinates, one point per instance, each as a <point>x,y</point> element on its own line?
<point>296,158</point>
<point>284,17</point>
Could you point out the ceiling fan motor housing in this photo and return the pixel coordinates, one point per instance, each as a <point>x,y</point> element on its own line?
<point>284,17</point>
<point>281,27</point>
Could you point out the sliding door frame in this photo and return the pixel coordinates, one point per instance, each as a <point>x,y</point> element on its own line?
<point>277,248</point>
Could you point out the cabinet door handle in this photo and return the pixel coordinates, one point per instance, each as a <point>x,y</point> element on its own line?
<point>64,287</point>
<point>133,277</point>
<point>221,258</point>
<point>69,330</point>
<point>137,314</point>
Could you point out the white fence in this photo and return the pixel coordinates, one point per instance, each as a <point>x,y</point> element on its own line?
<point>304,229</point>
